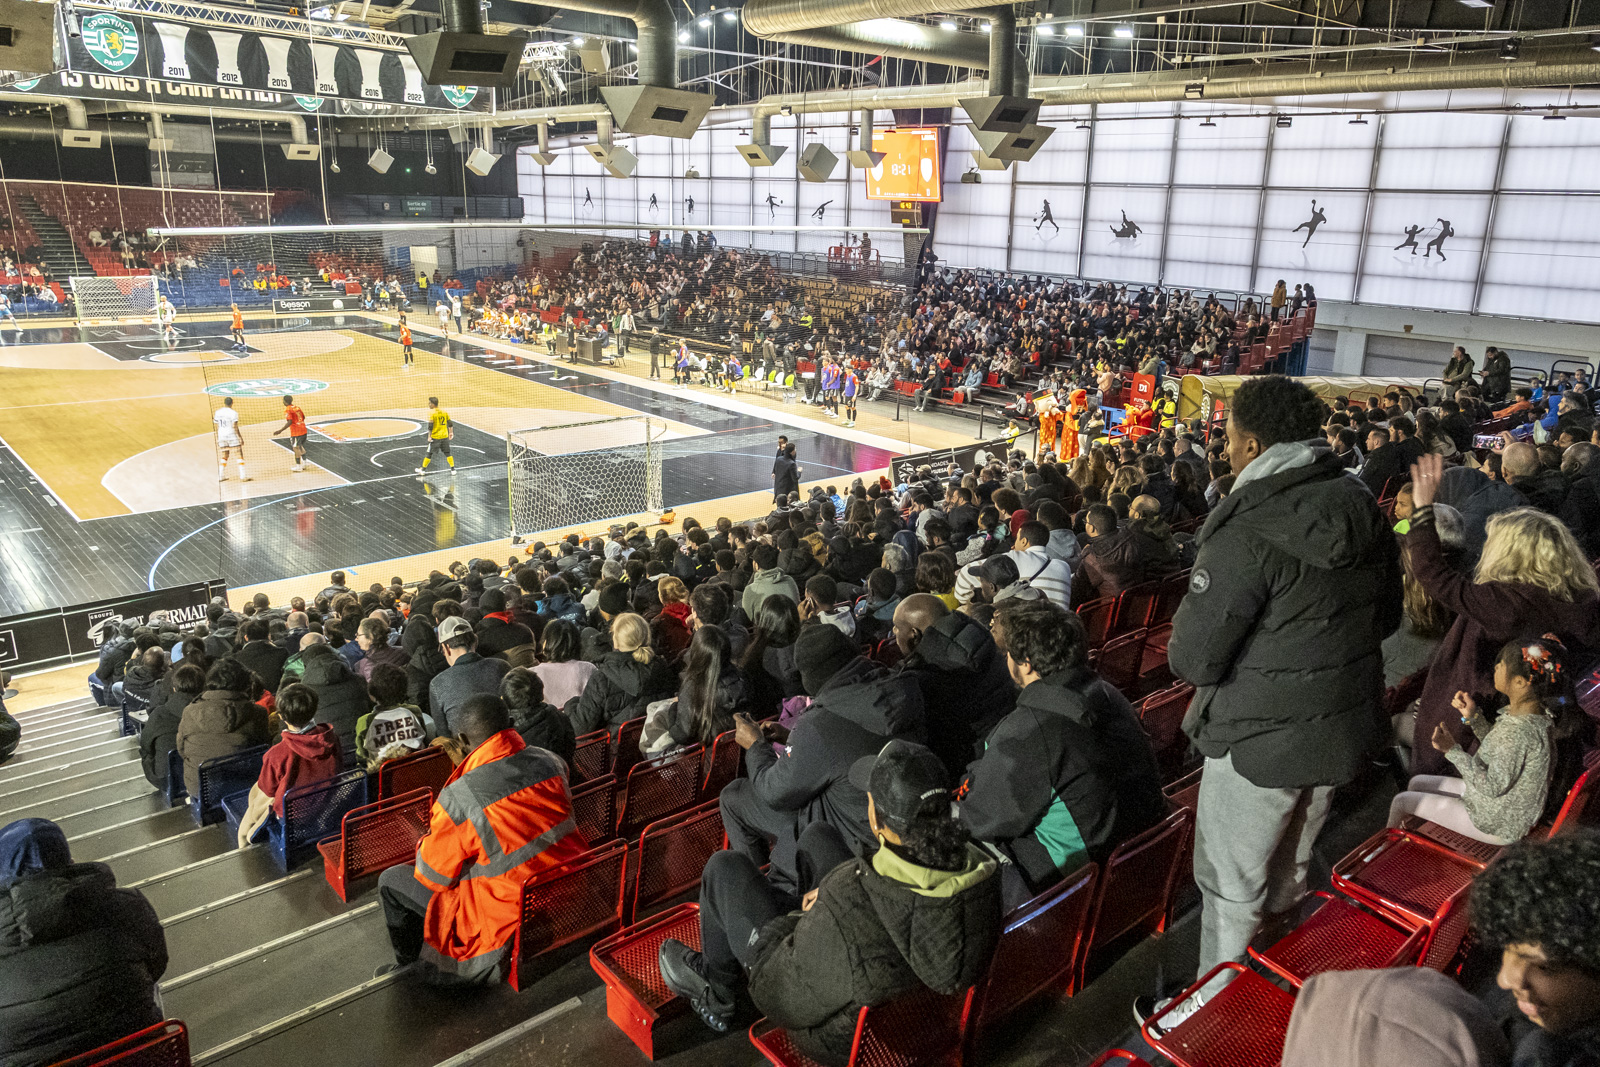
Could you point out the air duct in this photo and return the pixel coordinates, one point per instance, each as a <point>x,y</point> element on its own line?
<point>655,105</point>
<point>159,141</point>
<point>761,152</point>
<point>462,54</point>
<point>863,157</point>
<point>1003,111</point>
<point>897,39</point>
<point>544,157</point>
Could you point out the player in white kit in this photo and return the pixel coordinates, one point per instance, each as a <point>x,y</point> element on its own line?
<point>166,315</point>
<point>228,439</point>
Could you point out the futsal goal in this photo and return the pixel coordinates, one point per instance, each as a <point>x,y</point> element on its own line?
<point>583,472</point>
<point>115,299</point>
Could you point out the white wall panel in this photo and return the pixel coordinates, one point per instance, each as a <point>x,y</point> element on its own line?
<point>1544,258</point>
<point>1553,155</point>
<point>1062,160</point>
<point>1131,151</point>
<point>1440,269</point>
<point>1125,259</point>
<point>1440,151</point>
<point>1211,237</point>
<point>1328,259</point>
<point>1035,244</point>
<point>1322,152</point>
<point>1233,152</point>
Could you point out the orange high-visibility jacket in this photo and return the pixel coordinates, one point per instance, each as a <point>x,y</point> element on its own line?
<point>503,816</point>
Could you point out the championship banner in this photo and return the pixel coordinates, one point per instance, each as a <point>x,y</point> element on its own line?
<point>61,635</point>
<point>119,55</point>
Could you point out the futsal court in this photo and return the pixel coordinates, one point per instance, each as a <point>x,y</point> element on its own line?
<point>110,452</point>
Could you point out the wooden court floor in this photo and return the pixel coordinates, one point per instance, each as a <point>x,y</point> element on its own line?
<point>116,428</point>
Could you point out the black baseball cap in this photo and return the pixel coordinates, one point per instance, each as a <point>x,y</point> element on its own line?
<point>907,782</point>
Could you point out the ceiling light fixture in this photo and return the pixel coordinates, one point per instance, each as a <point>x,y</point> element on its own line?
<point>1358,121</point>
<point>1074,31</point>
<point>1047,31</point>
<point>1555,116</point>
<point>730,16</point>
<point>1208,122</point>
<point>988,27</point>
<point>705,22</point>
<point>1283,122</point>
<point>1477,3</point>
<point>1083,124</point>
<point>1125,32</point>
<point>577,42</point>
<point>947,26</point>
<point>683,36</point>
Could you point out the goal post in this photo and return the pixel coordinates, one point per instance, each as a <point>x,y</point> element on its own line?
<point>573,474</point>
<point>115,299</point>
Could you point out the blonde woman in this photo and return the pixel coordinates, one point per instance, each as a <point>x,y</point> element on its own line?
<point>626,680</point>
<point>1532,579</point>
<point>1129,480</point>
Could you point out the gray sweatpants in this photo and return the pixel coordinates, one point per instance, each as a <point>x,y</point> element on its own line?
<point>1252,848</point>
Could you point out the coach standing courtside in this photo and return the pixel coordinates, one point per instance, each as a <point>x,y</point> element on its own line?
<point>1296,583</point>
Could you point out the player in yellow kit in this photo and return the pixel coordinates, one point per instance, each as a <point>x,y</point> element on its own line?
<point>440,431</point>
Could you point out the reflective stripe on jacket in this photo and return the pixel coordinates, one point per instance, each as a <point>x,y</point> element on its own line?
<point>503,816</point>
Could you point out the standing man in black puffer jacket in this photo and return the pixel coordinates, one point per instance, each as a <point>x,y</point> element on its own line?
<point>79,958</point>
<point>1296,584</point>
<point>857,707</point>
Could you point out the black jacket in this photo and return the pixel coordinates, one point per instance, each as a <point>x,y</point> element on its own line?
<point>867,940</point>
<point>855,714</point>
<point>79,961</point>
<point>341,694</point>
<point>547,728</point>
<point>160,735</point>
<point>1388,466</point>
<point>1296,584</point>
<point>266,660</point>
<point>1065,778</point>
<point>139,686</point>
<point>966,688</point>
<point>734,695</point>
<point>421,643</point>
<point>10,733</point>
<point>619,690</point>
<point>497,635</point>
<point>114,656</point>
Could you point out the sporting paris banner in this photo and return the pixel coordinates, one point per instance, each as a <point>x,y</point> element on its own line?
<point>118,55</point>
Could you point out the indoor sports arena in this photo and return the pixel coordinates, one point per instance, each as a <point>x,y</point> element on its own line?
<point>855,533</point>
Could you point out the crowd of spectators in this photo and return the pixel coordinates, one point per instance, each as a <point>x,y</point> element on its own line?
<point>925,741</point>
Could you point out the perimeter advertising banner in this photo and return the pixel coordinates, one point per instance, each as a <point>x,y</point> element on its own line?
<point>61,635</point>
<point>119,56</point>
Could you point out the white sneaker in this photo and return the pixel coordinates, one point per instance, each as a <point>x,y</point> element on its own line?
<point>1147,1007</point>
<point>419,470</point>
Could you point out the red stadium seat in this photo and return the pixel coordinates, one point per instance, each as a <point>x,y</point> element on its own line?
<point>921,1029</point>
<point>672,854</point>
<point>722,765</point>
<point>429,768</point>
<point>1162,715</point>
<point>594,809</point>
<point>572,901</point>
<point>1135,890</point>
<point>658,788</point>
<point>1579,811</point>
<point>1137,606</point>
<point>625,750</point>
<point>1243,1025</point>
<point>593,757</point>
<point>1121,661</point>
<point>374,837</point>
<point>1112,1057</point>
<point>1098,617</point>
<point>636,998</point>
<point>1039,949</point>
<point>166,1044</point>
<point>1341,936</point>
<point>1403,876</point>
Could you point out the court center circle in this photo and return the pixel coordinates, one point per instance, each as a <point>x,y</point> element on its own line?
<point>245,387</point>
<point>366,428</point>
<point>191,356</point>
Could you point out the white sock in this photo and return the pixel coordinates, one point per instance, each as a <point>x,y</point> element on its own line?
<point>222,471</point>
<point>241,469</point>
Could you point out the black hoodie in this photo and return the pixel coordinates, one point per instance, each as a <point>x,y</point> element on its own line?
<point>79,961</point>
<point>881,928</point>
<point>341,694</point>
<point>855,713</point>
<point>966,688</point>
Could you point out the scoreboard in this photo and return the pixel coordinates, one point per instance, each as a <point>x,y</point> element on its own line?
<point>910,166</point>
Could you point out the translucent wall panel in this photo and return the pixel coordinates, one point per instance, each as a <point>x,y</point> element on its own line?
<point>1544,257</point>
<point>1552,155</point>
<point>730,206</point>
<point>1440,151</point>
<point>1414,260</point>
<point>782,189</point>
<point>1302,243</point>
<point>1322,152</point>
<point>1211,237</point>
<point>1131,210</point>
<point>1131,151</point>
<point>972,218</point>
<point>1036,244</point>
<point>1233,152</point>
<point>1063,159</point>
<point>661,212</point>
<point>864,212</point>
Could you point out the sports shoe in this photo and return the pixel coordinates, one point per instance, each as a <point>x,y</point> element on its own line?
<point>682,971</point>
<point>419,470</point>
<point>1146,1006</point>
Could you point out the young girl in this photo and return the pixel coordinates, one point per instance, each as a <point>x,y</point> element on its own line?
<point>1503,787</point>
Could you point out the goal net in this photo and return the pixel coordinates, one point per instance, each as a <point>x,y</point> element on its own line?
<point>583,472</point>
<point>106,299</point>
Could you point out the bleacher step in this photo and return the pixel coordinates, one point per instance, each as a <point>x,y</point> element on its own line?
<point>229,924</point>
<point>207,879</point>
<point>140,862</point>
<point>71,768</point>
<point>48,799</point>
<point>118,836</point>
<point>45,710</point>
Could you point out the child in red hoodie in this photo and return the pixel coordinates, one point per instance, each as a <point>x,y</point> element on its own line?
<point>307,752</point>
